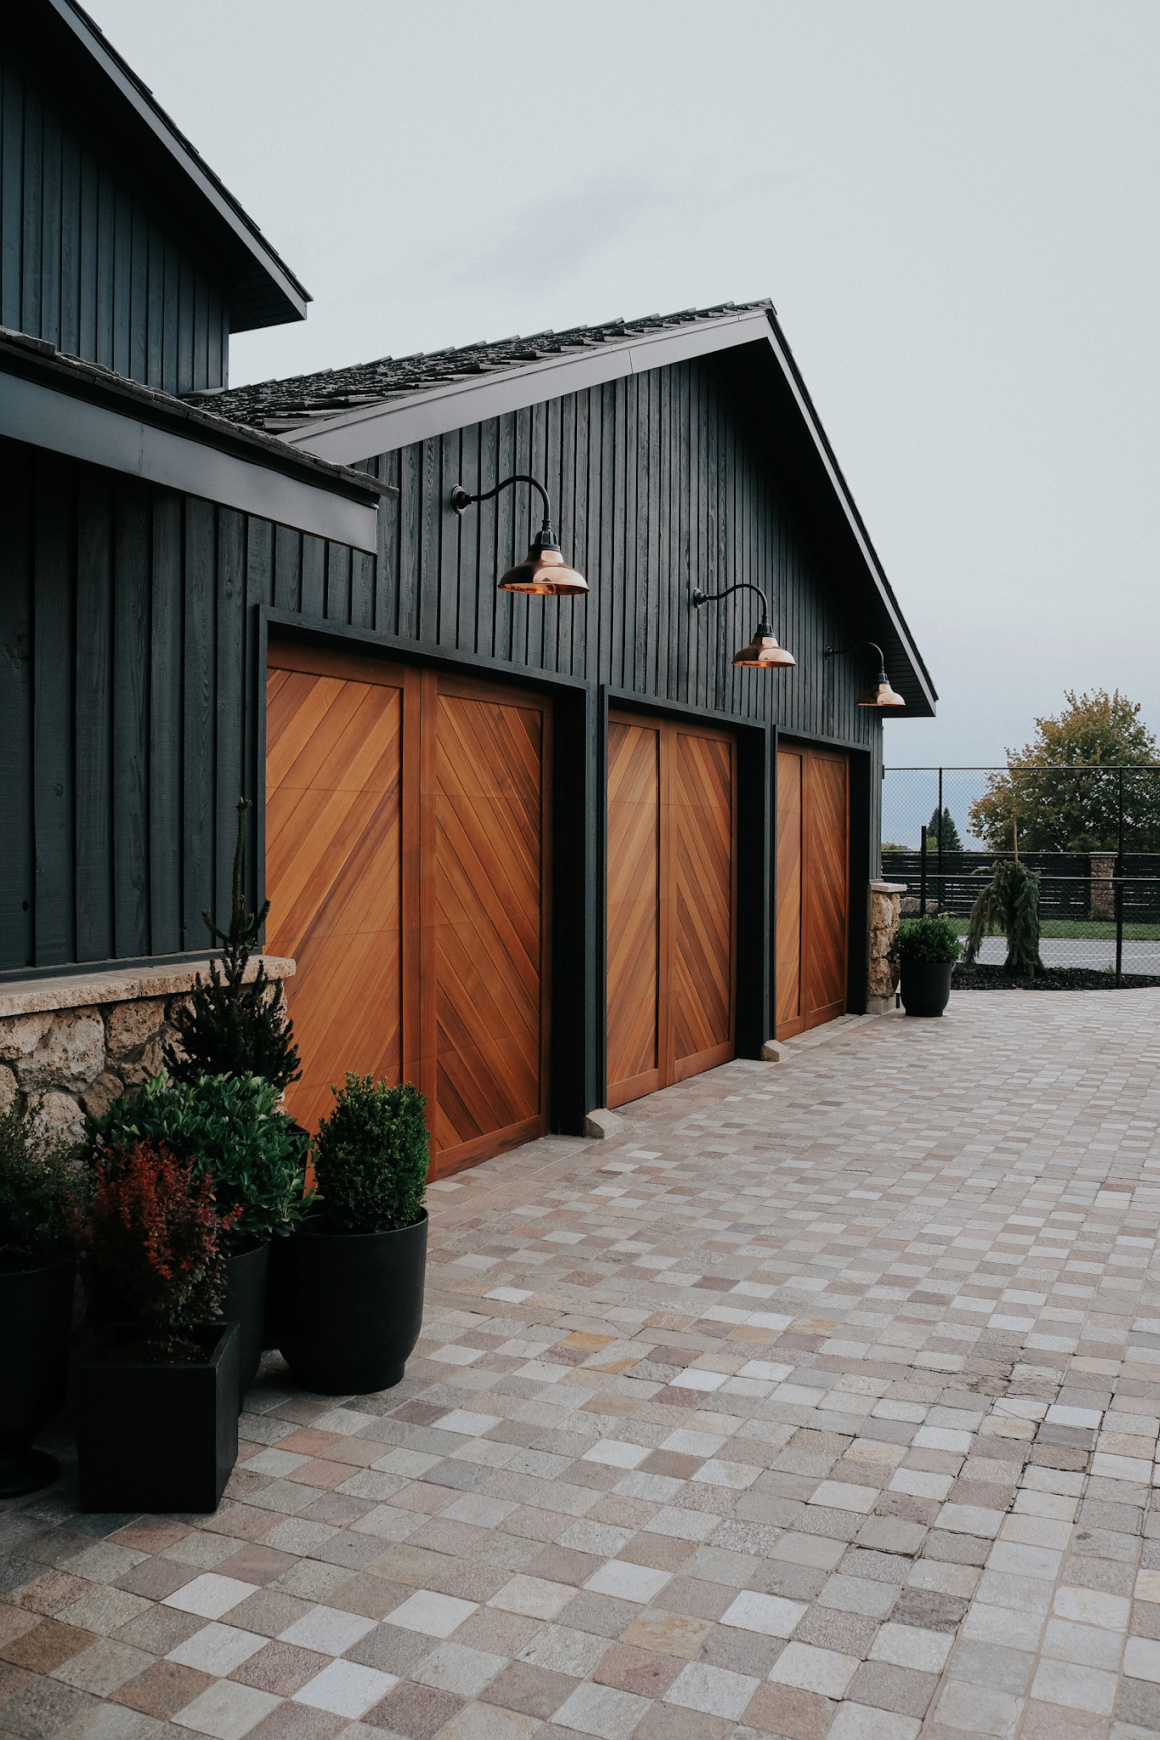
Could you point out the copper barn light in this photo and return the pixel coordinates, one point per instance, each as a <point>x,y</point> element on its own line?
<point>543,570</point>
<point>880,693</point>
<point>761,653</point>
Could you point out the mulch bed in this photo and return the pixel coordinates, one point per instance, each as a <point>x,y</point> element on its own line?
<point>1053,979</point>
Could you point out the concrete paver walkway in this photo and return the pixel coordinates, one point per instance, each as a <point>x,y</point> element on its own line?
<point>822,1403</point>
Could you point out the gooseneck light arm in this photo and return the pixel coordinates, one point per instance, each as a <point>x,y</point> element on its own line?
<point>460,498</point>
<point>700,598</point>
<point>832,652</point>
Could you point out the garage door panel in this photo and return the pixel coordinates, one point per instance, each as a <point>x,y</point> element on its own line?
<point>812,888</point>
<point>702,823</point>
<point>412,889</point>
<point>671,948</point>
<point>333,875</point>
<point>825,977</point>
<point>486,818</point>
<point>788,936</point>
<point>633,906</point>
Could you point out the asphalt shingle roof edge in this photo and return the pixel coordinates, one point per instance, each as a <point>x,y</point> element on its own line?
<point>281,406</point>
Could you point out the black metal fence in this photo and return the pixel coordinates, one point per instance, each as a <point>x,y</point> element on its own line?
<point>1091,834</point>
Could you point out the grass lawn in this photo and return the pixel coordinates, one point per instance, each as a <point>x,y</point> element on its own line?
<point>1085,927</point>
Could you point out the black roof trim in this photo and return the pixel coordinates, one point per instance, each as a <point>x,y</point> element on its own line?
<point>36,358</point>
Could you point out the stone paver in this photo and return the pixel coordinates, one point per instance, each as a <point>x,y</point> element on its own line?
<point>822,1403</point>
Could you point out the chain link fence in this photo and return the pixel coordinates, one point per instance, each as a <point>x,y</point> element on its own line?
<point>1091,834</point>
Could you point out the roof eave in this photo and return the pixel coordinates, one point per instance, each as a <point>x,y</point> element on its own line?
<point>282,298</point>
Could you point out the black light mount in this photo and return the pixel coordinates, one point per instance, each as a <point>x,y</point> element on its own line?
<point>762,652</point>
<point>543,571</point>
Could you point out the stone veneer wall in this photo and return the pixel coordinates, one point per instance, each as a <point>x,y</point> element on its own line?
<point>885,911</point>
<point>70,1045</point>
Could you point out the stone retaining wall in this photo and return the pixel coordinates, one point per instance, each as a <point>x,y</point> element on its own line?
<point>71,1045</point>
<point>885,911</point>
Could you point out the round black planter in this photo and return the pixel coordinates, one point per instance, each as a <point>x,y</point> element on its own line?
<point>35,1324</point>
<point>245,1305</point>
<point>925,986</point>
<point>351,1306</point>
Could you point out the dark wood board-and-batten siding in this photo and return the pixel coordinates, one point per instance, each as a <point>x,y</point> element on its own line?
<point>656,490</point>
<point>129,701</point>
<point>89,266</point>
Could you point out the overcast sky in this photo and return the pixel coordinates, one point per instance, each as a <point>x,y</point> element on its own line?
<point>953,207</point>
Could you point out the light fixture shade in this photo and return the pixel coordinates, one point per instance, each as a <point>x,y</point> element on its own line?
<point>881,695</point>
<point>763,652</point>
<point>544,572</point>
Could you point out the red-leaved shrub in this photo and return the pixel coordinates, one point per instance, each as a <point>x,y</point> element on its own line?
<point>154,1237</point>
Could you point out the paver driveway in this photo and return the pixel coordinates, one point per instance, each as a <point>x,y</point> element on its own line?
<point>823,1403</point>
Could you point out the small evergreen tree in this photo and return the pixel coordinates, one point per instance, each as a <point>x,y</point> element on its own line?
<point>1009,904</point>
<point>231,1027</point>
<point>942,830</point>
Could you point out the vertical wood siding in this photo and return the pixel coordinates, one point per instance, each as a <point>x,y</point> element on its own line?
<point>658,488</point>
<point>89,267</point>
<point>129,636</point>
<point>129,702</point>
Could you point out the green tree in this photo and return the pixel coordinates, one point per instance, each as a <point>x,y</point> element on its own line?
<point>944,830</point>
<point>1054,794</point>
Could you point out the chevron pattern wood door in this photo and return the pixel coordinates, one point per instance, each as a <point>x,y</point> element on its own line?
<point>484,930</point>
<point>334,855</point>
<point>812,888</point>
<point>634,910</point>
<point>671,903</point>
<point>825,937</point>
<point>407,869</point>
<point>788,958</point>
<point>703,827</point>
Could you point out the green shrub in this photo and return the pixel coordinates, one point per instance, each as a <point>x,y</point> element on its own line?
<point>932,938</point>
<point>35,1193</point>
<point>371,1156</point>
<point>230,1126</point>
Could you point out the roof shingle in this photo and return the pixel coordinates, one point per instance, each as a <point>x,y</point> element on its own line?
<point>295,403</point>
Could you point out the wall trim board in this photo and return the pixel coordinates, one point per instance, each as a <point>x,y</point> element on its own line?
<point>295,626</point>
<point>41,417</point>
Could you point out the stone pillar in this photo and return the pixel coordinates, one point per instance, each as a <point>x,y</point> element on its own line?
<point>70,1045</point>
<point>1103,897</point>
<point>885,910</point>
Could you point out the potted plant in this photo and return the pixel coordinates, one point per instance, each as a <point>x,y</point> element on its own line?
<point>37,1276</point>
<point>228,1127</point>
<point>926,949</point>
<point>156,1399</point>
<point>353,1296</point>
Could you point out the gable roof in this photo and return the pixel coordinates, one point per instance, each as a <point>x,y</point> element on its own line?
<point>349,415</point>
<point>61,41</point>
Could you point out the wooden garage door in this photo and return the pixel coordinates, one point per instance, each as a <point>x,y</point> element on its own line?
<point>406,866</point>
<point>671,903</point>
<point>813,801</point>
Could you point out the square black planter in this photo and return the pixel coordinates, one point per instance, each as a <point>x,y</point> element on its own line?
<point>157,1437</point>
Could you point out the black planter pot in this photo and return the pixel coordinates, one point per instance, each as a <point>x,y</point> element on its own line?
<point>925,986</point>
<point>351,1306</point>
<point>35,1325</point>
<point>153,1437</point>
<point>245,1305</point>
